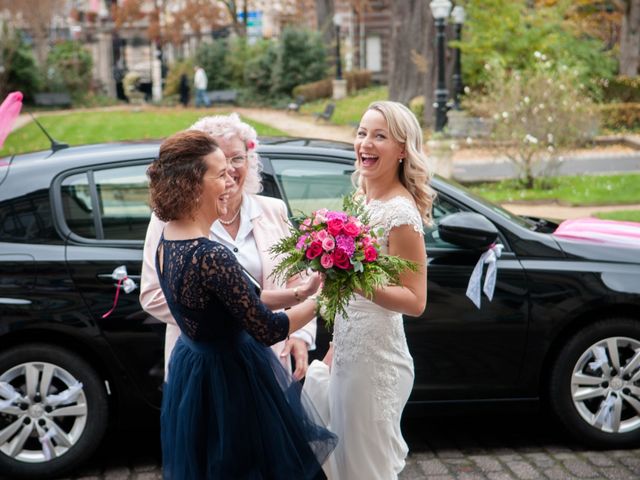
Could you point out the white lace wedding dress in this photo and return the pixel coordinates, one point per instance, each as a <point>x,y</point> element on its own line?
<point>371,378</point>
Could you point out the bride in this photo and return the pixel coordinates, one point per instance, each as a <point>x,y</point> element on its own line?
<point>366,378</point>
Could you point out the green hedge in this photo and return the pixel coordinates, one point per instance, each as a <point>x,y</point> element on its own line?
<point>356,80</point>
<point>620,115</point>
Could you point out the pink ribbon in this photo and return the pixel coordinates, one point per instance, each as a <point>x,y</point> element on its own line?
<point>601,231</point>
<point>9,111</point>
<point>115,299</point>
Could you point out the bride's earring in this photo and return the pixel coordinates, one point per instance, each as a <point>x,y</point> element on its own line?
<point>401,160</point>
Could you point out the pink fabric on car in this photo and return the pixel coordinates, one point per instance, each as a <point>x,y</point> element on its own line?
<point>9,111</point>
<point>601,231</point>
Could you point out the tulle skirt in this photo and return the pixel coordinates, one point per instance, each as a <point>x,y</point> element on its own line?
<point>231,411</point>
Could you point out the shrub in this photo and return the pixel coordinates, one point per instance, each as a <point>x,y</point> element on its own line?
<point>509,31</point>
<point>21,72</point>
<point>258,69</point>
<point>622,89</point>
<point>69,69</point>
<point>314,90</point>
<point>213,56</point>
<point>537,113</point>
<point>617,116</point>
<point>301,59</point>
<point>357,80</point>
<point>172,82</point>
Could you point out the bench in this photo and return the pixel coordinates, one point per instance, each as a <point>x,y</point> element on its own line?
<point>52,99</point>
<point>327,113</point>
<point>223,96</point>
<point>296,104</point>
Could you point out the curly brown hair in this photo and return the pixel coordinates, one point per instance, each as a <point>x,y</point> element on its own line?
<point>175,177</point>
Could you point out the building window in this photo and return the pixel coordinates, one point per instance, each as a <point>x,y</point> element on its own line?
<point>374,53</point>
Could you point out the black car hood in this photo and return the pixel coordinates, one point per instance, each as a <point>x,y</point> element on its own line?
<point>599,251</point>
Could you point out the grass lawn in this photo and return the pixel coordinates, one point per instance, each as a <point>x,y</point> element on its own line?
<point>582,190</point>
<point>349,110</point>
<point>79,128</point>
<point>625,215</point>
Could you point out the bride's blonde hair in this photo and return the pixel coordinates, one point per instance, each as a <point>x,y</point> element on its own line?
<point>414,171</point>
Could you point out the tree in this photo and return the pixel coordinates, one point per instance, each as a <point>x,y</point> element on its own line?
<point>411,70</point>
<point>36,16</point>
<point>19,70</point>
<point>324,19</point>
<point>629,37</point>
<point>69,68</point>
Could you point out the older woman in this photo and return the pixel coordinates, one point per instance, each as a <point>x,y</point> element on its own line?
<point>229,408</point>
<point>252,224</point>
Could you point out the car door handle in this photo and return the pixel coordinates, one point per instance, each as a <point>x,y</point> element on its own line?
<point>108,277</point>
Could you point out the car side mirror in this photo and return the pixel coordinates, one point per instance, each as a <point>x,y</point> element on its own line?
<point>468,230</point>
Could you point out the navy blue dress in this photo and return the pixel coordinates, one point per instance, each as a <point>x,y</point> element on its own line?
<point>230,410</point>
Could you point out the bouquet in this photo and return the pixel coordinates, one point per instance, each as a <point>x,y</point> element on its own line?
<point>343,246</point>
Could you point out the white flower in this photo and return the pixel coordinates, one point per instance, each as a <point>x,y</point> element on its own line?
<point>549,137</point>
<point>528,138</point>
<point>537,54</point>
<point>526,100</point>
<point>550,148</point>
<point>550,119</point>
<point>469,140</point>
<point>505,114</point>
<point>541,106</point>
<point>467,90</point>
<point>496,116</point>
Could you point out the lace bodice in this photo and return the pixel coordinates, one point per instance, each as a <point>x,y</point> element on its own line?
<point>395,212</point>
<point>371,334</point>
<point>211,297</point>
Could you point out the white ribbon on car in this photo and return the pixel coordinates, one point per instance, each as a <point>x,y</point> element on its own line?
<point>45,441</point>
<point>66,396</point>
<point>601,358</point>
<point>127,284</point>
<point>605,415</point>
<point>9,393</point>
<point>489,257</point>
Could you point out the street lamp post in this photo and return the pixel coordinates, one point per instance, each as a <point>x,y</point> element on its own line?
<point>338,59</point>
<point>440,10</point>
<point>458,20</point>
<point>339,84</point>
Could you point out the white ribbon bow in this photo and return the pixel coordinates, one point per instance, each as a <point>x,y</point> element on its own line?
<point>120,273</point>
<point>489,257</point>
<point>9,393</point>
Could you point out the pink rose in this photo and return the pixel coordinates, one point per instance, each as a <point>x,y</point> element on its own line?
<point>322,234</point>
<point>314,250</point>
<point>370,254</point>
<point>301,241</point>
<point>251,144</point>
<point>366,241</point>
<point>328,244</point>
<point>351,229</point>
<point>326,260</point>
<point>341,259</point>
<point>305,225</point>
<point>335,226</point>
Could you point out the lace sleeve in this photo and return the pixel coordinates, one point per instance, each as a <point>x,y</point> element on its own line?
<point>223,276</point>
<point>401,211</point>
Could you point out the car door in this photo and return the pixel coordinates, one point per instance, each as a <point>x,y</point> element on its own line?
<point>460,351</point>
<point>105,214</point>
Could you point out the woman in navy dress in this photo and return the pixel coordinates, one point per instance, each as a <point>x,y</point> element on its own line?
<point>229,410</point>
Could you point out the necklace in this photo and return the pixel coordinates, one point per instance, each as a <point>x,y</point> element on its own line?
<point>229,222</point>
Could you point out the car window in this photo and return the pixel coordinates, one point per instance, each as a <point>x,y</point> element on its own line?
<point>116,209</point>
<point>124,202</point>
<point>441,207</point>
<point>308,185</point>
<point>77,205</point>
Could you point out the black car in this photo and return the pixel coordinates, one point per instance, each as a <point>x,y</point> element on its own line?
<point>563,326</point>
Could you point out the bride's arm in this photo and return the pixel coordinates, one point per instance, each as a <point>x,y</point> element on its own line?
<point>411,297</point>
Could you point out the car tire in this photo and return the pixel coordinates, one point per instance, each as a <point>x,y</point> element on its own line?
<point>594,387</point>
<point>61,424</point>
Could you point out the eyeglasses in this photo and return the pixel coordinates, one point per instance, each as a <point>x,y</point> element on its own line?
<point>237,161</point>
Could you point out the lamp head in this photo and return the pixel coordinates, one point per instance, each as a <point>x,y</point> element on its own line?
<point>440,9</point>
<point>458,14</point>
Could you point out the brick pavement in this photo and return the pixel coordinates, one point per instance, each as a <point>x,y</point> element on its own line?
<point>512,447</point>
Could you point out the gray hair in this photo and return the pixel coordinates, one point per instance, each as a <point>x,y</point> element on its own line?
<point>229,126</point>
